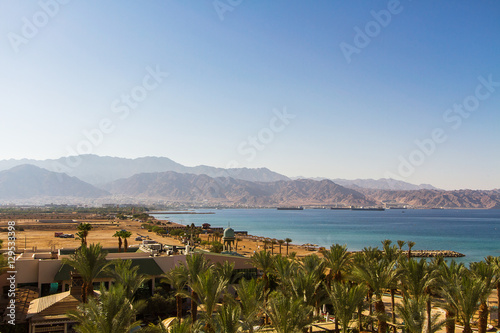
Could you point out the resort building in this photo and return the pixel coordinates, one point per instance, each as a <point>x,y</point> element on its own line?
<point>45,276</point>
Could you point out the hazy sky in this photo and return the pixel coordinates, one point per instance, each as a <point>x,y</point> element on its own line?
<point>338,89</point>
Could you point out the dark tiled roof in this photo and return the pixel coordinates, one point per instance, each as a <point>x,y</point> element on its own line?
<point>147,266</point>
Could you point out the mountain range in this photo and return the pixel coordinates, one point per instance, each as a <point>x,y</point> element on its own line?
<point>98,170</point>
<point>119,180</point>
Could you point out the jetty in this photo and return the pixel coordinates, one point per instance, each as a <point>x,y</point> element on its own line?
<point>436,253</point>
<point>430,253</point>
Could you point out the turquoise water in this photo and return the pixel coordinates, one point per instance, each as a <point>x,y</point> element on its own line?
<point>475,233</point>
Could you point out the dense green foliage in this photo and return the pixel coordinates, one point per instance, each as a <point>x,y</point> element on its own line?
<point>290,293</point>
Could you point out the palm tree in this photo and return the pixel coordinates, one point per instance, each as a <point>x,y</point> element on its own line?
<point>119,235</point>
<point>125,234</point>
<point>378,276</point>
<point>185,326</point>
<point>178,278</point>
<point>273,242</point>
<point>284,270</point>
<point>486,273</point>
<point>401,243</point>
<point>446,276</point>
<point>345,300</point>
<point>266,244</point>
<point>127,276</point>
<point>307,286</point>
<point>264,262</point>
<point>89,262</point>
<point>209,287</point>
<point>410,245</point>
<point>495,261</point>
<point>226,271</point>
<point>281,242</point>
<point>288,315</point>
<point>338,260</point>
<point>176,326</point>
<point>112,312</point>
<point>251,294</point>
<point>413,314</point>
<point>391,254</point>
<point>287,241</point>
<point>418,282</point>
<point>196,265</point>
<point>315,266</point>
<point>227,318</point>
<point>83,232</point>
<point>465,295</point>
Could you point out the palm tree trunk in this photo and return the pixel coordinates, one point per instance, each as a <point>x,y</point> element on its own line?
<point>380,310</point>
<point>370,308</point>
<point>467,328</point>
<point>178,300</point>
<point>450,321</point>
<point>498,304</point>
<point>87,290</point>
<point>194,307</point>
<point>428,308</point>
<point>394,329</point>
<point>483,318</point>
<point>125,245</point>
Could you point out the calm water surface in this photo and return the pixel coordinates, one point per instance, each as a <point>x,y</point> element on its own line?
<point>475,233</point>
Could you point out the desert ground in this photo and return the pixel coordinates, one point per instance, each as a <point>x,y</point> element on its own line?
<point>37,236</point>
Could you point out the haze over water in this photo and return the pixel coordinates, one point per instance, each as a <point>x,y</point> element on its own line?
<point>474,233</point>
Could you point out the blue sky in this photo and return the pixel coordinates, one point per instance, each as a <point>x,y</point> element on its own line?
<point>289,85</point>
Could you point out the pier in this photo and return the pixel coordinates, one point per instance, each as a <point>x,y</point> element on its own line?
<point>436,253</point>
<point>431,253</point>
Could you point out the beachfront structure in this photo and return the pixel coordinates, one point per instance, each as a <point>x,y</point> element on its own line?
<point>47,273</point>
<point>228,239</point>
<point>52,280</point>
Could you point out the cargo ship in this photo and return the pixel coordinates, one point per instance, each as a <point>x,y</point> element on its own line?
<point>368,208</point>
<point>291,208</point>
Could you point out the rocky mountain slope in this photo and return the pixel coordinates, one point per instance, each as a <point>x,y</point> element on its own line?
<point>202,188</point>
<point>438,198</point>
<point>28,181</point>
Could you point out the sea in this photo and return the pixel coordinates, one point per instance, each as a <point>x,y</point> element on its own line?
<point>473,232</point>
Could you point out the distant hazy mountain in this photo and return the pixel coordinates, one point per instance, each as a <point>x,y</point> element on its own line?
<point>177,187</point>
<point>24,182</point>
<point>438,198</point>
<point>383,184</point>
<point>98,170</point>
<point>28,181</point>
<point>380,184</point>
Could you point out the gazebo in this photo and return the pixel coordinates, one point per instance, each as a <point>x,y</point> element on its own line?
<point>228,239</point>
